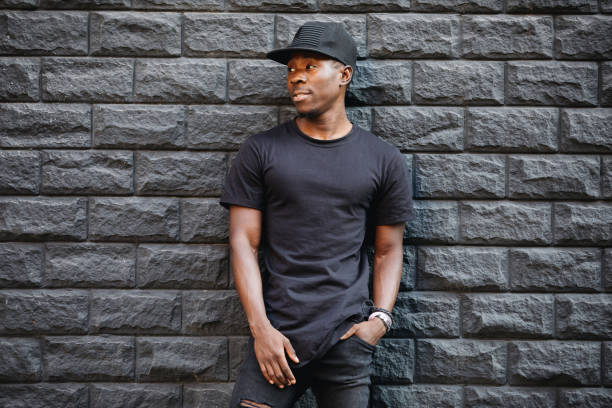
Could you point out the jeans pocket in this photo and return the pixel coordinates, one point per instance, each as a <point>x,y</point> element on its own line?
<point>362,341</point>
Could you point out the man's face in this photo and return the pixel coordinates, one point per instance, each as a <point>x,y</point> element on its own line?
<point>313,81</point>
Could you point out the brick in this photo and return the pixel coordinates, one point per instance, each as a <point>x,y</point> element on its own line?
<point>227,126</point>
<point>43,218</point>
<point>507,315</point>
<point>183,266</point>
<point>584,316</point>
<point>551,83</point>
<point>420,128</point>
<point>213,313</point>
<point>139,126</point>
<point>228,34</point>
<point>203,220</point>
<point>44,395</point>
<point>583,223</point>
<point>462,176</point>
<point>586,130</point>
<point>607,268</point>
<point>201,5</point>
<point>554,269</point>
<point>458,82</point>
<point>135,34</point>
<point>19,172</point>
<point>407,281</point>
<point>505,222</point>
<point>393,361</point>
<point>606,176</point>
<point>460,360</point>
<point>380,82</point>
<point>413,35</point>
<point>554,6</point>
<point>461,268</point>
<point>207,395</point>
<point>461,6</point>
<point>181,359</point>
<point>553,176</point>
<point>257,82</point>
<point>500,397</point>
<point>434,222</point>
<point>550,363</point>
<point>605,97</point>
<point>588,397</point>
<point>184,80</point>
<point>507,37</point>
<point>135,395</point>
<point>44,125</point>
<point>180,173</point>
<point>417,396</point>
<point>86,79</point>
<point>89,358</point>
<point>135,311</point>
<point>19,79</point>
<point>21,265</point>
<point>86,172</point>
<point>85,4</point>
<point>426,315</point>
<point>363,6</point>
<point>512,129</point>
<point>134,218</point>
<point>90,265</point>
<point>43,33</point>
<point>583,37</point>
<point>43,311</point>
<point>20,359</point>
<point>238,351</point>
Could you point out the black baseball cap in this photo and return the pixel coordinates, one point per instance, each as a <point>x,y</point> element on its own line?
<point>327,38</point>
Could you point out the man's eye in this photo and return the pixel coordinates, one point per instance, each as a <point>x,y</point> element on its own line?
<point>309,65</point>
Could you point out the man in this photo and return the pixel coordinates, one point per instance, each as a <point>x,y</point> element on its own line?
<point>312,190</point>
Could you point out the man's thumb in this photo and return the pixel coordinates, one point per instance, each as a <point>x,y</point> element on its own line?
<point>291,351</point>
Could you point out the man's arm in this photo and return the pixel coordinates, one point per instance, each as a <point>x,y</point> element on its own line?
<point>270,344</point>
<point>387,273</point>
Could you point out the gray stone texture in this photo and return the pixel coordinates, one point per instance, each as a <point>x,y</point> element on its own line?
<point>379,82</point>
<point>586,130</point>
<point>393,361</point>
<point>44,395</point>
<point>547,6</point>
<point>84,4</point>
<point>203,220</point>
<point>19,79</point>
<point>435,222</point>
<point>257,82</point>
<point>19,172</point>
<point>205,395</point>
<point>426,315</point>
<point>605,97</point>
<point>582,223</point>
<point>586,397</point>
<point>363,5</point>
<point>460,6</point>
<point>418,396</point>
<point>584,316</point>
<point>20,359</point>
<point>21,265</point>
<point>213,313</point>
<point>203,5</point>
<point>502,397</point>
<point>135,395</point>
<point>583,37</point>
<point>606,176</point>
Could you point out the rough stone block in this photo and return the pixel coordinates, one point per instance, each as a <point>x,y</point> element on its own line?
<point>582,223</point>
<point>607,363</point>
<point>257,82</point>
<point>19,79</point>
<point>203,220</point>
<point>605,97</point>
<point>407,281</point>
<point>19,4</point>
<point>393,361</point>
<point>584,316</point>
<point>43,32</point>
<point>507,315</point>
<point>505,222</point>
<point>586,397</point>
<point>586,130</point>
<point>554,6</point>
<point>413,35</point>
<point>554,269</point>
<point>420,128</point>
<point>238,351</point>
<point>417,396</point>
<point>43,218</point>
<point>90,265</point>
<point>86,172</point>
<point>20,360</point>
<point>460,360</point>
<point>89,358</point>
<point>366,6</point>
<point>550,363</point>
<point>212,313</point>
<point>500,397</point>
<point>583,37</point>
<point>512,129</point>
<point>506,36</point>
<point>460,6</point>
<point>551,83</point>
<point>272,5</point>
<point>139,126</point>
<point>435,222</point>
<point>184,80</point>
<point>21,265</point>
<point>181,359</point>
<point>458,82</point>
<point>200,5</point>
<point>228,34</point>
<point>85,4</point>
<point>44,395</point>
<point>44,125</point>
<point>460,176</point>
<point>227,126</point>
<point>19,172</point>
<point>553,176</point>
<point>135,34</point>
<point>180,173</point>
<point>380,82</point>
<point>607,269</point>
<point>135,395</point>
<point>426,315</point>
<point>134,218</point>
<point>606,176</point>
<point>207,395</point>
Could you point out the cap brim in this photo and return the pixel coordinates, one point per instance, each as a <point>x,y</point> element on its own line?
<point>283,55</point>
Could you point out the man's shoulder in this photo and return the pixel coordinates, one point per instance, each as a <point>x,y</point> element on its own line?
<point>263,138</point>
<point>378,145</point>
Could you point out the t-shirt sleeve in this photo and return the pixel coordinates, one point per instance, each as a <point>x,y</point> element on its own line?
<point>243,184</point>
<point>394,200</point>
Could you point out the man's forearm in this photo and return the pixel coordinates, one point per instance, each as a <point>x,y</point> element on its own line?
<point>386,276</point>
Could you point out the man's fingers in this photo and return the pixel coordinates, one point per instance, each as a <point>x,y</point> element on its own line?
<point>349,332</point>
<point>287,372</point>
<point>265,373</point>
<point>278,373</point>
<point>291,351</point>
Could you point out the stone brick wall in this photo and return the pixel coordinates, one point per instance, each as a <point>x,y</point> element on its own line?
<point>119,120</point>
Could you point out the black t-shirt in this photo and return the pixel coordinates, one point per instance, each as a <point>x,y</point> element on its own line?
<point>318,198</point>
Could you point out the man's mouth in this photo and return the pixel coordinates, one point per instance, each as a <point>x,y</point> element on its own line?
<point>300,96</point>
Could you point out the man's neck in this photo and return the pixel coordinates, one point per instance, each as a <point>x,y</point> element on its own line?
<point>327,126</point>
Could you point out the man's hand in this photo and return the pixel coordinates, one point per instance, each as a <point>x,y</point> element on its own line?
<point>270,346</point>
<point>369,331</point>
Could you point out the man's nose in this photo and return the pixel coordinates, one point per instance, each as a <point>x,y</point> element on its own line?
<point>296,77</point>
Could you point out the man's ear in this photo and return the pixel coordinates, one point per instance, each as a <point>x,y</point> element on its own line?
<point>347,75</point>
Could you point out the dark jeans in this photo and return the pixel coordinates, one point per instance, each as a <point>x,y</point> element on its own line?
<point>340,378</point>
